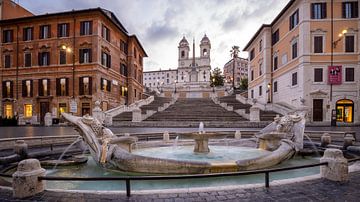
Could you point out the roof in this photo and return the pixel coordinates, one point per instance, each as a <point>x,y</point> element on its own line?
<point>169,70</point>
<point>288,5</point>
<point>137,40</point>
<point>108,14</point>
<point>245,59</point>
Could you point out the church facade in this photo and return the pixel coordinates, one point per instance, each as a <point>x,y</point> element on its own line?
<point>191,70</point>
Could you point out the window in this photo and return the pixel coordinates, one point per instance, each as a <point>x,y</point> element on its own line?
<point>294,50</point>
<point>252,93</point>
<point>260,90</point>
<point>7,89</point>
<point>27,88</point>
<point>275,37</point>
<point>62,108</point>
<point>28,34</point>
<point>349,43</point>
<point>294,79</point>
<point>275,86</point>
<point>63,30</point>
<point>28,110</point>
<point>349,74</point>
<point>135,92</point>
<point>318,10</point>
<point>106,59</point>
<point>350,9</point>
<point>252,75</point>
<point>318,44</point>
<point>105,85</point>
<point>85,55</point>
<point>123,90</point>
<point>318,75</point>
<point>123,70</point>
<point>7,36</point>
<point>85,28</point>
<point>123,46</point>
<point>62,87</point>
<point>252,54</point>
<point>105,33</point>
<point>275,62</point>
<point>85,86</point>
<point>294,19</point>
<point>7,61</point>
<point>9,110</point>
<point>260,69</point>
<point>44,58</point>
<point>62,57</point>
<point>45,32</point>
<point>260,45</point>
<point>44,87</point>
<point>27,58</point>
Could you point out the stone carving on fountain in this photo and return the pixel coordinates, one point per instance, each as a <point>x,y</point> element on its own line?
<point>283,137</point>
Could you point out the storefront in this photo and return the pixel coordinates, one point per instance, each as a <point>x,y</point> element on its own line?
<point>345,111</point>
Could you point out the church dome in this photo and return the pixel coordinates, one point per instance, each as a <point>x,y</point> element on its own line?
<point>184,41</point>
<point>205,39</point>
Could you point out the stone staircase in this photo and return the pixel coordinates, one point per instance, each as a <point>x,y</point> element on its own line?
<point>158,102</point>
<point>195,110</point>
<point>232,101</point>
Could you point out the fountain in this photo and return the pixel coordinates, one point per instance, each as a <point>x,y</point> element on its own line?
<point>280,141</point>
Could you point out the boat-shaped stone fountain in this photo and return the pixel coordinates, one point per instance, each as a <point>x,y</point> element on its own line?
<point>281,140</point>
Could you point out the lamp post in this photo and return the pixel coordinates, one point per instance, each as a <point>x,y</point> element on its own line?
<point>69,50</point>
<point>213,80</point>
<point>234,53</point>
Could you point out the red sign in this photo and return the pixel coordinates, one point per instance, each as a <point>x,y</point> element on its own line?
<point>334,75</point>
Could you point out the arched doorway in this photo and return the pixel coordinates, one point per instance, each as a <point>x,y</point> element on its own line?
<point>345,111</point>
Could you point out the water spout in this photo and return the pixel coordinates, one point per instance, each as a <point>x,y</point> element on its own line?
<point>176,142</point>
<point>64,152</point>
<point>201,128</point>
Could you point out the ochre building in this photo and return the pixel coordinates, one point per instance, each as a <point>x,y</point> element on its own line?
<point>64,62</point>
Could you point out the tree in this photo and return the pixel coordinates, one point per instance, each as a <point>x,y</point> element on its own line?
<point>244,84</point>
<point>216,78</point>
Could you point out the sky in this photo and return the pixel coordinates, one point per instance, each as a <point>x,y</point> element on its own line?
<point>161,24</point>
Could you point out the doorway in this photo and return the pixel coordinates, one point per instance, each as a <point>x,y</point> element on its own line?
<point>318,110</point>
<point>85,108</point>
<point>344,111</point>
<point>44,108</point>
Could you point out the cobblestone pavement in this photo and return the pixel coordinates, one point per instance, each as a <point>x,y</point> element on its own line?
<point>313,190</point>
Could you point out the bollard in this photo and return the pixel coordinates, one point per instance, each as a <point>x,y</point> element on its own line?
<point>348,140</point>
<point>25,179</point>
<point>21,149</point>
<point>166,136</point>
<point>325,139</point>
<point>238,135</point>
<point>337,168</point>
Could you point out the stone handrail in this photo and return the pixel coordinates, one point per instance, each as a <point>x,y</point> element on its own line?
<point>123,108</point>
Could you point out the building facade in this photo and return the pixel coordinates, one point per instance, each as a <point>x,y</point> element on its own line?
<point>309,56</point>
<point>241,70</point>
<point>64,62</point>
<point>190,70</point>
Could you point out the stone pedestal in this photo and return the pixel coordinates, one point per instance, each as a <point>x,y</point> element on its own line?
<point>348,140</point>
<point>48,119</point>
<point>201,145</point>
<point>136,115</point>
<point>337,168</point>
<point>108,120</point>
<point>166,136</point>
<point>98,113</point>
<point>25,179</point>
<point>325,139</point>
<point>254,114</point>
<point>21,148</point>
<point>237,135</point>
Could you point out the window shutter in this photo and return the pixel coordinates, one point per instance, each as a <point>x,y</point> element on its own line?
<point>109,61</point>
<point>48,86</point>
<point>67,29</point>
<point>102,31</point>
<point>59,30</point>
<point>312,11</point>
<point>67,86</point>
<point>82,25</point>
<point>90,27</point>
<point>32,33</point>
<point>343,10</point>
<point>81,86</point>
<point>90,85</point>
<point>23,88</point>
<point>323,10</point>
<point>356,9</point>
<point>3,89</point>
<point>39,59</point>
<point>108,35</point>
<point>48,58</point>
<point>41,31</point>
<point>49,31</point>
<point>11,35</point>
<point>40,88</point>
<point>4,37</point>
<point>101,84</point>
<point>11,89</point>
<point>90,55</point>
<point>108,85</point>
<point>58,88</point>
<point>24,34</point>
<point>81,54</point>
<point>31,88</point>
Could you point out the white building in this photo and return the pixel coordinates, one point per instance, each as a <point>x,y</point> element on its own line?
<point>191,70</point>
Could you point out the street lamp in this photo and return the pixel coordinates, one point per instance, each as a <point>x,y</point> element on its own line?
<point>213,80</point>
<point>69,50</point>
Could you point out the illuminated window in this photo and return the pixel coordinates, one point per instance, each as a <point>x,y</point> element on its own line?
<point>62,108</point>
<point>28,88</point>
<point>45,85</point>
<point>28,110</point>
<point>63,87</point>
<point>9,111</point>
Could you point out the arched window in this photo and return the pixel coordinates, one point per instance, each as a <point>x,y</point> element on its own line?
<point>182,54</point>
<point>205,52</point>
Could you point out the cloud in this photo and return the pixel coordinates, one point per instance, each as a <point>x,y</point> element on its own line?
<point>160,31</point>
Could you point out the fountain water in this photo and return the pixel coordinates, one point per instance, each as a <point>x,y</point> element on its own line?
<point>201,128</point>
<point>176,140</point>
<point>66,150</point>
<point>312,145</point>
